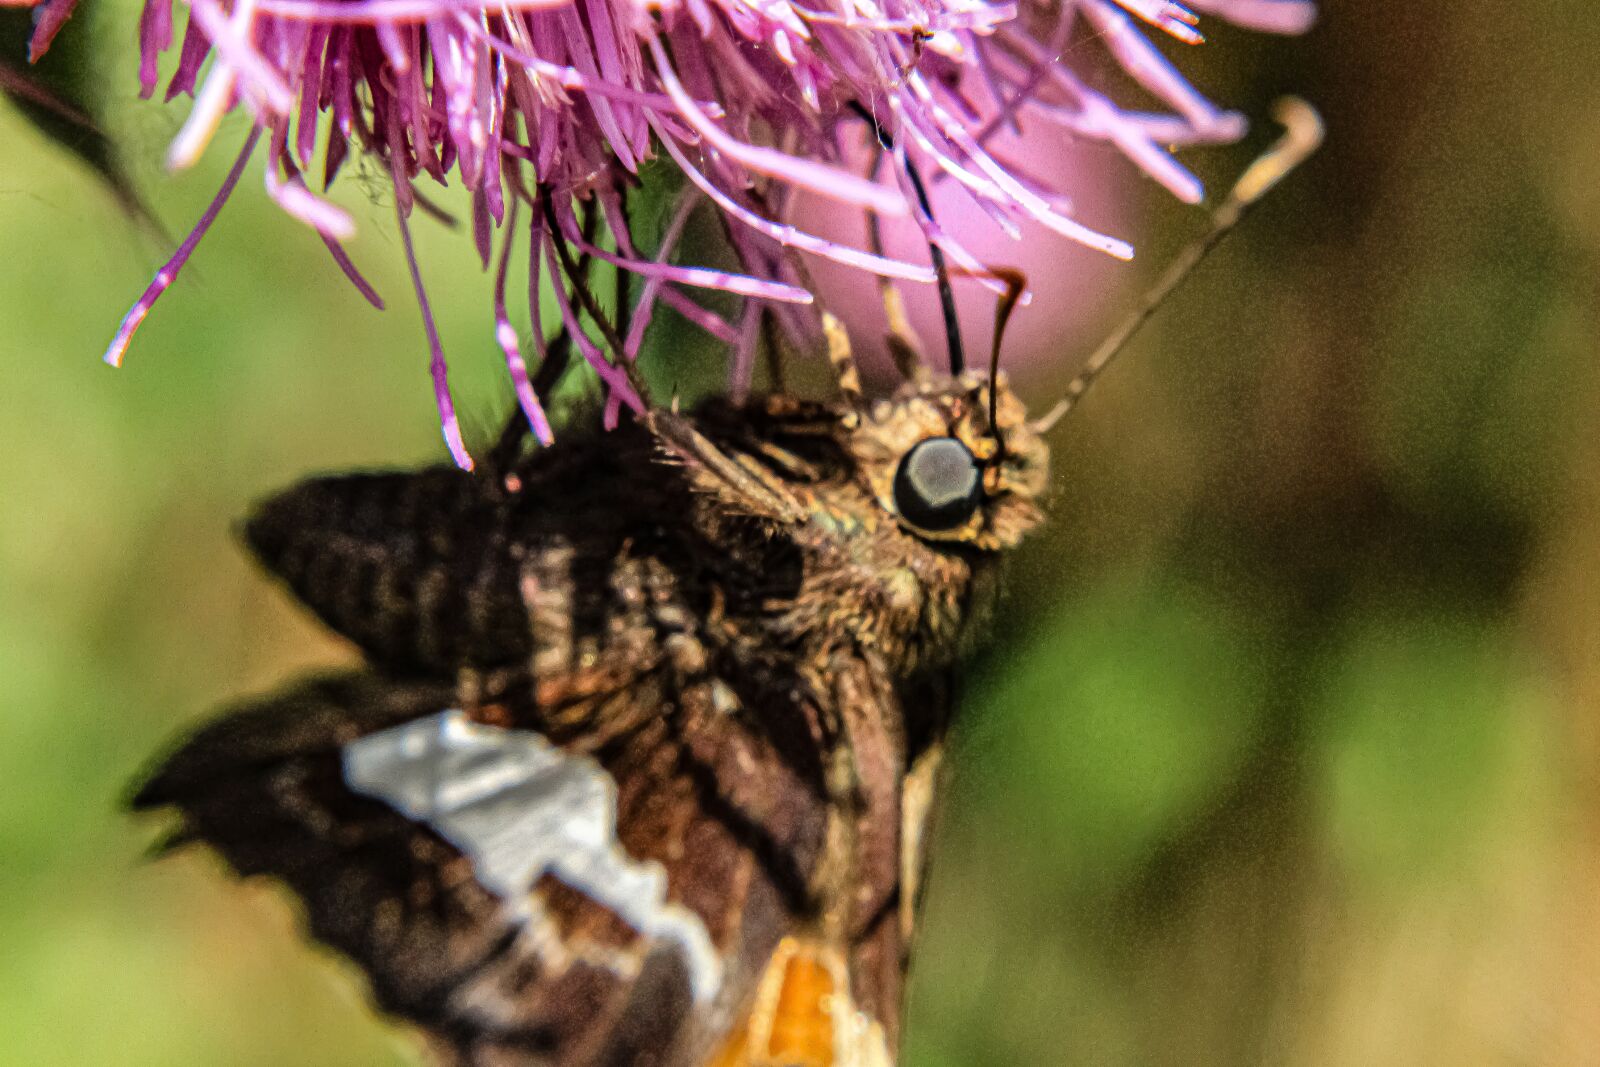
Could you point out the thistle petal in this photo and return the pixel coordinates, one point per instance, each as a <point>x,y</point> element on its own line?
<point>752,101</point>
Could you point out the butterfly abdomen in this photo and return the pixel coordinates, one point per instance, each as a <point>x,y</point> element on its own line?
<point>414,568</point>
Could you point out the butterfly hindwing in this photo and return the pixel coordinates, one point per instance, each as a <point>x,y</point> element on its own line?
<point>522,902</point>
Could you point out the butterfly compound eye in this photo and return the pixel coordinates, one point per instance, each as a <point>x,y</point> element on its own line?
<point>938,485</point>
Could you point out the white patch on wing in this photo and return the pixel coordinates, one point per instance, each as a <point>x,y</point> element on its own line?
<point>518,807</point>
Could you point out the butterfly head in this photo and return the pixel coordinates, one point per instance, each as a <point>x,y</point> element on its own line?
<point>945,469</point>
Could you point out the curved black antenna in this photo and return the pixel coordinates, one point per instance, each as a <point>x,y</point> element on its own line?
<point>1302,134</point>
<point>947,294</point>
<point>1016,285</point>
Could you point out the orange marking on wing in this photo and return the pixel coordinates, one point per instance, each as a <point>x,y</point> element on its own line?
<point>802,1029</point>
<point>801,1014</point>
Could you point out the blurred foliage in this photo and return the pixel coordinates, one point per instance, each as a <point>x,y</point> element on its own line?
<point>1287,754</point>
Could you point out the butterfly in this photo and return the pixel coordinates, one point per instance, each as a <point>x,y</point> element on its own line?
<point>641,765</point>
<point>649,739</point>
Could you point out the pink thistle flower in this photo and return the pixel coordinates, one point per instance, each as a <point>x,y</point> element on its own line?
<point>754,100</point>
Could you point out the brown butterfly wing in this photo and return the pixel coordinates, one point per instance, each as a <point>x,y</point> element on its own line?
<point>733,825</point>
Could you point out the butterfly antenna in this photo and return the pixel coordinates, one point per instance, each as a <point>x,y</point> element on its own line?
<point>1016,285</point>
<point>1302,134</point>
<point>947,294</point>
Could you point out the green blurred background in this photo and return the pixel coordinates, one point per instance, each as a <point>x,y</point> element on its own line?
<point>1288,755</point>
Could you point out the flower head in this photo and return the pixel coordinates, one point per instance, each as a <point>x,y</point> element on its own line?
<point>555,101</point>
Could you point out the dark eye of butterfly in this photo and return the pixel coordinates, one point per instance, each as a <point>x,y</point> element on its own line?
<point>938,485</point>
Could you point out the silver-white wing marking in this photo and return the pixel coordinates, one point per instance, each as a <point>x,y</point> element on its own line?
<point>518,807</point>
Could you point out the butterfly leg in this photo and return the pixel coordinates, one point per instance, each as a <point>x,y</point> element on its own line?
<point>904,345</point>
<point>841,358</point>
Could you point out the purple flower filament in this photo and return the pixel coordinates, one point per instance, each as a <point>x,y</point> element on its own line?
<point>753,102</point>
